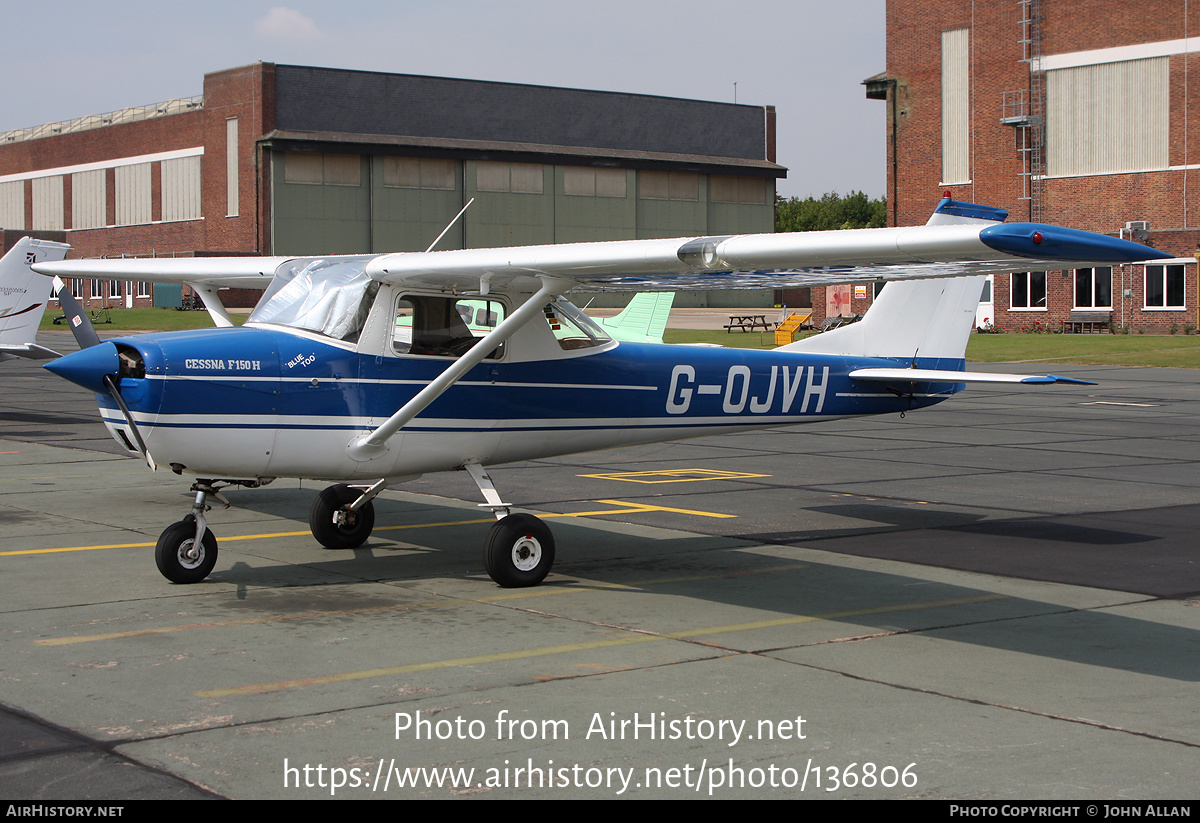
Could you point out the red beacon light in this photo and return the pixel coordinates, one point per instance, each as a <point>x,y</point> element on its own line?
<point>1037,238</point>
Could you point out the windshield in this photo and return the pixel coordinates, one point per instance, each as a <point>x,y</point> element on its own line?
<point>571,327</point>
<point>331,296</point>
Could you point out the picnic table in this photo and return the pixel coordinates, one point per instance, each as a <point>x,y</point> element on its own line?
<point>747,322</point>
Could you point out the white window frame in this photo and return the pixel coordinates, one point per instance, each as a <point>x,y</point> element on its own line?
<point>1163,271</point>
<point>1075,289</point>
<point>1028,275</point>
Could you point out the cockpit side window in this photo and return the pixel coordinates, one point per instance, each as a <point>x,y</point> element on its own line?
<point>444,326</point>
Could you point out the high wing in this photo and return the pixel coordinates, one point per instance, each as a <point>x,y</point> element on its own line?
<point>949,245</point>
<point>23,297</point>
<point>203,274</point>
<point>219,272</point>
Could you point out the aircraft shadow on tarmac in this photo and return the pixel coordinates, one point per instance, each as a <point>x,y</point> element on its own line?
<point>728,570</point>
<point>1149,551</point>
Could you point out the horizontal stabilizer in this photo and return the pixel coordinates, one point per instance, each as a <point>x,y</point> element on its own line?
<point>30,351</point>
<point>940,376</point>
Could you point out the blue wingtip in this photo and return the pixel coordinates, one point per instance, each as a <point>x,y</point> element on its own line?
<point>1055,378</point>
<point>1042,242</point>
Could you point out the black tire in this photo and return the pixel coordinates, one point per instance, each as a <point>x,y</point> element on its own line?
<point>174,555</point>
<point>358,526</point>
<point>519,551</point>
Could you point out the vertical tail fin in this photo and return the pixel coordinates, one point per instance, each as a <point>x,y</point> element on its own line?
<point>23,295</point>
<point>910,319</point>
<point>643,321</point>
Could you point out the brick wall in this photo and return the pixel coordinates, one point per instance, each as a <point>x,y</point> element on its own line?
<point>1168,200</point>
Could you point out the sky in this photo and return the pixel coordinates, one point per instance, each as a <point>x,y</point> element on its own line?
<point>67,59</point>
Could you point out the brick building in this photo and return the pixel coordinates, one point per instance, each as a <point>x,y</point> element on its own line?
<point>1072,112</point>
<point>276,159</point>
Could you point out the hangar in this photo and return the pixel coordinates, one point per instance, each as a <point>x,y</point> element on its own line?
<point>1072,112</point>
<point>281,159</point>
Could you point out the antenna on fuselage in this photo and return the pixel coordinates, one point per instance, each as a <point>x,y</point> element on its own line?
<point>451,223</point>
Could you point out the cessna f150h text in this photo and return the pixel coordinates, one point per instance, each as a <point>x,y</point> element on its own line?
<point>361,369</point>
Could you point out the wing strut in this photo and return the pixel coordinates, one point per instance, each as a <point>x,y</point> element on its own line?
<point>374,444</point>
<point>212,303</point>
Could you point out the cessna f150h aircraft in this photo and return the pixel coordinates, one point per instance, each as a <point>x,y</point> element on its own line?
<point>23,297</point>
<point>322,381</point>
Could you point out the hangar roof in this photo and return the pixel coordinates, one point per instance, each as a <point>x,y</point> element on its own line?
<point>485,113</point>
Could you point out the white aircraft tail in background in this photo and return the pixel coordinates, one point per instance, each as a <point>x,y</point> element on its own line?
<point>23,295</point>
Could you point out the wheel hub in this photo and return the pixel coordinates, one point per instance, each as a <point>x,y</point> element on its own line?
<point>190,554</point>
<point>527,553</point>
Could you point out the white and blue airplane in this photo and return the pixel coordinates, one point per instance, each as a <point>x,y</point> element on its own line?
<point>23,295</point>
<point>323,383</point>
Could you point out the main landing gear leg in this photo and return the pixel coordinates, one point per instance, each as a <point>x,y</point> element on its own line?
<point>342,516</point>
<point>519,550</point>
<point>187,551</point>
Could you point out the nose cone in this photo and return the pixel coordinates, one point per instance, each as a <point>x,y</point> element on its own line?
<point>87,367</point>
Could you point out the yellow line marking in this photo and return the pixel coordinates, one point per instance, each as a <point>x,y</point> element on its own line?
<point>427,604</point>
<point>635,508</point>
<point>81,548</point>
<point>546,651</point>
<point>629,508</point>
<point>674,475</point>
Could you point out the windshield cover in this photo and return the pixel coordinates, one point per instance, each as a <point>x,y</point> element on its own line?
<point>331,296</point>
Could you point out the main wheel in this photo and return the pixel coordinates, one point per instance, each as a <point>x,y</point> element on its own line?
<point>519,551</point>
<point>179,558</point>
<point>357,527</point>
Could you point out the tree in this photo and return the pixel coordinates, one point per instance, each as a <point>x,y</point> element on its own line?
<point>831,211</point>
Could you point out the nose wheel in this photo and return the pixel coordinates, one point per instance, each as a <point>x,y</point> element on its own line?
<point>183,559</point>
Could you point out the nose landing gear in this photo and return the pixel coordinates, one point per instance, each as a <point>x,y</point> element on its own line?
<point>187,550</point>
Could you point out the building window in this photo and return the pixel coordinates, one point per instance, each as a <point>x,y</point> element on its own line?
<point>672,185</point>
<point>956,107</point>
<point>343,170</point>
<point>744,190</point>
<point>1093,288</point>
<point>97,289</point>
<point>1107,118</point>
<point>419,173</point>
<point>143,288</point>
<point>1164,287</point>
<point>315,168</point>
<point>587,181</point>
<point>12,205</point>
<point>114,288</point>
<point>76,288</point>
<point>231,167</point>
<point>1028,290</point>
<point>515,177</point>
<point>89,200</point>
<point>132,185</point>
<point>180,189</point>
<point>48,203</point>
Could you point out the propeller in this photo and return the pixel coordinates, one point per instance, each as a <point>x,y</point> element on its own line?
<point>86,337</point>
<point>77,319</point>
